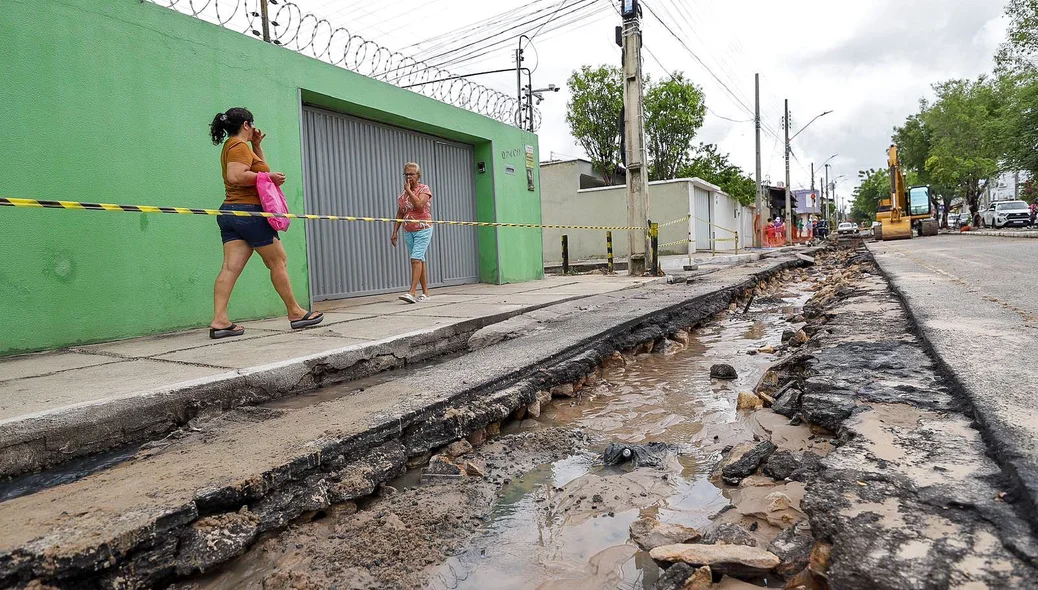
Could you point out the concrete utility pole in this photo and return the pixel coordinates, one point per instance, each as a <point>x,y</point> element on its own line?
<point>789,207</point>
<point>634,133</point>
<point>758,236</point>
<point>825,201</point>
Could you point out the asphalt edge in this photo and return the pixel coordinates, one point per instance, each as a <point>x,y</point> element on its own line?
<point>997,449</point>
<point>45,440</point>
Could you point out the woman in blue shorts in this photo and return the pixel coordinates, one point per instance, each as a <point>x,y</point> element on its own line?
<point>415,206</point>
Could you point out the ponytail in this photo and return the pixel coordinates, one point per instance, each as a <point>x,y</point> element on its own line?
<point>229,123</point>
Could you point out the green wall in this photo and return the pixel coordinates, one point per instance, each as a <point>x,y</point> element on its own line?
<point>110,101</point>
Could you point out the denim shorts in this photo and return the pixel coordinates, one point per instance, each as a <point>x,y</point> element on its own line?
<point>418,243</point>
<point>256,231</point>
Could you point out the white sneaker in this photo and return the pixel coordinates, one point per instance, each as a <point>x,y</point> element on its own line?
<point>423,297</point>
<point>408,298</point>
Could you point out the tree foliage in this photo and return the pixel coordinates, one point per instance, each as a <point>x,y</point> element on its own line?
<point>675,109</point>
<point>962,123</point>
<point>1020,48</point>
<point>593,115</point>
<point>674,113</point>
<point>873,186</point>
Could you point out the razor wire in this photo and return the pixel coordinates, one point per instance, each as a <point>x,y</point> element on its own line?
<point>308,34</point>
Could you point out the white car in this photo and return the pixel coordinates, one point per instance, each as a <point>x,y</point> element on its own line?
<point>846,228</point>
<point>1006,213</point>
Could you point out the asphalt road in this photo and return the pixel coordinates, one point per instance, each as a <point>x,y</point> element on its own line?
<point>975,300</point>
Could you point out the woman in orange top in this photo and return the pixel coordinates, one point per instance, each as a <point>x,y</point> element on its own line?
<point>242,236</point>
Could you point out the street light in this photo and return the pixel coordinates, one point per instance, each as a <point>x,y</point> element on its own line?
<point>819,116</point>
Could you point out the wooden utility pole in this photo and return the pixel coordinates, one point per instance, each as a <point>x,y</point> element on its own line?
<point>758,236</point>
<point>634,134</point>
<point>266,20</point>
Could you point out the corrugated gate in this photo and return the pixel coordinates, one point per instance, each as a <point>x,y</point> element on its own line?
<point>355,167</point>
<point>703,219</point>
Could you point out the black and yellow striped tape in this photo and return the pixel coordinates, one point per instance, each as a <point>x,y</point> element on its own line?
<point>80,206</point>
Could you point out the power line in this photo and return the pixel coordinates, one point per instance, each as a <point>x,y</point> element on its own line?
<point>475,50</point>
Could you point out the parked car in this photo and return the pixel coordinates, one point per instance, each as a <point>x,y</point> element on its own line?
<point>1007,213</point>
<point>846,228</point>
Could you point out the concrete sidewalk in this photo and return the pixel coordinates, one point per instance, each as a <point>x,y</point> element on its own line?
<point>675,263</point>
<point>1000,233</point>
<point>59,405</point>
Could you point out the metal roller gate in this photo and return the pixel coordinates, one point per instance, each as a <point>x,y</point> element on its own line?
<point>353,166</point>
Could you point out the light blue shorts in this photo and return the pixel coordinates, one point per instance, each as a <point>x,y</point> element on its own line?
<point>418,242</point>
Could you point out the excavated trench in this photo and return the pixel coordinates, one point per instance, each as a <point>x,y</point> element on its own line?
<point>538,507</point>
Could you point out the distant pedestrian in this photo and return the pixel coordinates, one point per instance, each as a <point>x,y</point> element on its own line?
<point>1034,211</point>
<point>415,203</point>
<point>241,166</point>
<point>800,227</point>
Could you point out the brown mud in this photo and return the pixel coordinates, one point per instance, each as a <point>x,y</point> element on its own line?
<point>546,513</point>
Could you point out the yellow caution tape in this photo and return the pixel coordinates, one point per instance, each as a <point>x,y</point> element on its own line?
<point>685,241</point>
<point>674,221</point>
<point>76,205</point>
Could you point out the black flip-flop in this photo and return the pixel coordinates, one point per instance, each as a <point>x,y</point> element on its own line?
<point>311,318</point>
<point>228,332</point>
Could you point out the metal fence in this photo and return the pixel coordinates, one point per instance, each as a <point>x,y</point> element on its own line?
<point>288,26</point>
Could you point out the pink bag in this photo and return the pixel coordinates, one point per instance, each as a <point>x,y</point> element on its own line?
<point>273,201</point>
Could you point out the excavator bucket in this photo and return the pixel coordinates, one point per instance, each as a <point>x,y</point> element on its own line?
<point>895,230</point>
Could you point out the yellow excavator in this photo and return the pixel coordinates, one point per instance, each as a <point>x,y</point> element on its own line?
<point>906,211</point>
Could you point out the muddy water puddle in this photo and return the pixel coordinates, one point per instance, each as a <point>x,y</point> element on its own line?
<point>542,518</point>
<point>565,525</point>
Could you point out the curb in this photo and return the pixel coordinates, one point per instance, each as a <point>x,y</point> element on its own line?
<point>39,441</point>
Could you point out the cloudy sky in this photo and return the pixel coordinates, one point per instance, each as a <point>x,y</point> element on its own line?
<point>869,62</point>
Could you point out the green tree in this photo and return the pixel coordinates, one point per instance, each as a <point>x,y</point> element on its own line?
<point>714,167</point>
<point>914,146</point>
<point>1018,52</point>
<point>963,128</point>
<point>674,113</point>
<point>1016,131</point>
<point>873,186</point>
<point>593,115</point>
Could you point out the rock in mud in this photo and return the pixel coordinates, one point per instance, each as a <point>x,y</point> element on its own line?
<point>534,409</point>
<point>729,534</point>
<point>736,560</point>
<point>748,401</point>
<point>479,436</point>
<point>475,468</point>
<point>787,335</point>
<point>793,547</point>
<point>723,371</point>
<point>810,464</point>
<point>459,448</point>
<point>214,540</point>
<point>442,465</point>
<point>781,465</point>
<point>827,410</point>
<point>788,404</point>
<point>680,336</point>
<point>648,455</point>
<point>800,338</point>
<point>564,390</point>
<point>682,576</point>
<point>748,464</point>
<point>650,533</point>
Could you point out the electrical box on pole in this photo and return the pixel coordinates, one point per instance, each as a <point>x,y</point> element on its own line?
<point>634,140</point>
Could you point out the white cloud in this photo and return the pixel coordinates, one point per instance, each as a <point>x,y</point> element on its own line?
<point>868,62</point>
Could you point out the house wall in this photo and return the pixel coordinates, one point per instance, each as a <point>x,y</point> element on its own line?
<point>110,102</point>
<point>563,203</point>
